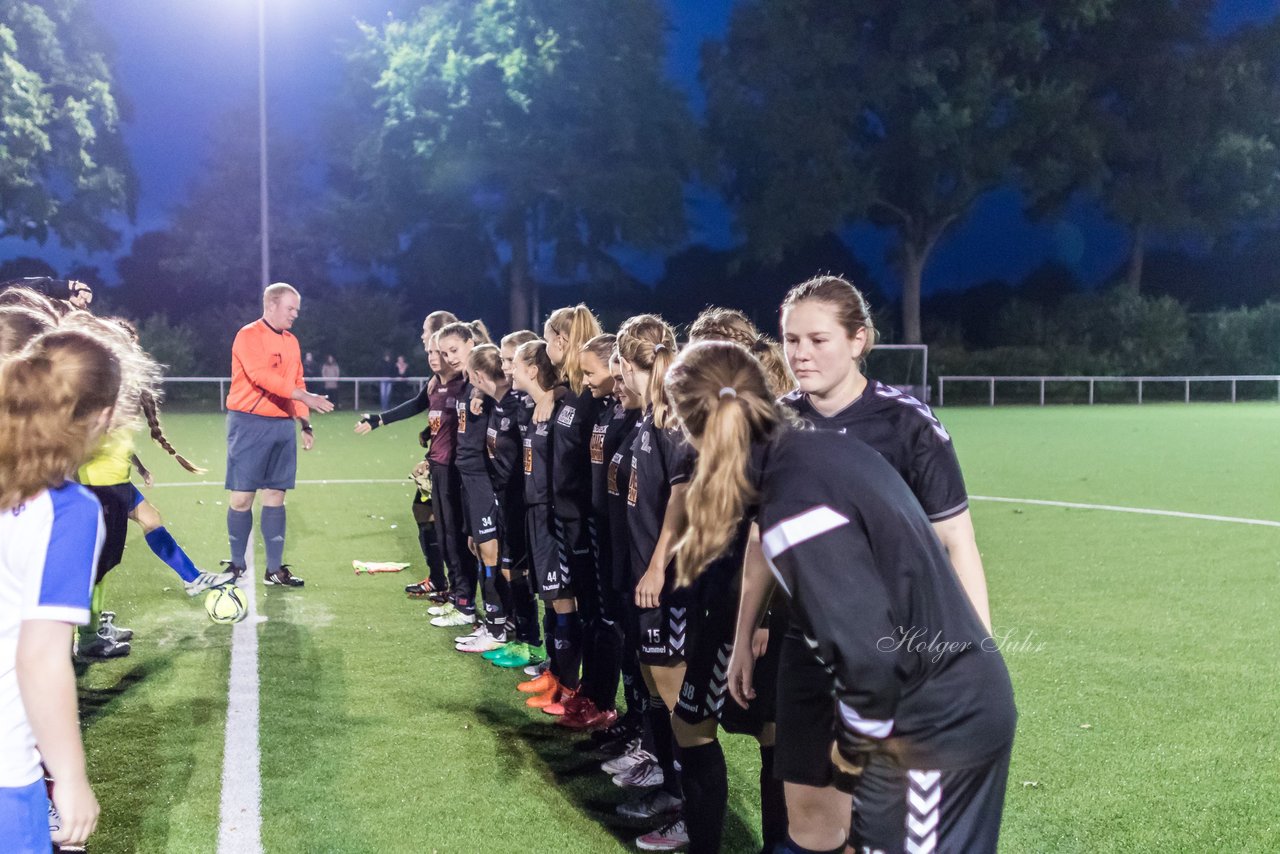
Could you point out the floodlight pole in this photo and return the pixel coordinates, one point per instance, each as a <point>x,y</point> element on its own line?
<point>262,143</point>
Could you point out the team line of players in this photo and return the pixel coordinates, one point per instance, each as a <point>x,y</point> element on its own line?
<point>731,518</point>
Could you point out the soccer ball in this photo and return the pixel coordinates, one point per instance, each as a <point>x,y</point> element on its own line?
<point>226,604</point>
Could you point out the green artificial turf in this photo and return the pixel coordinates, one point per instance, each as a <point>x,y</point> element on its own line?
<point>1142,651</point>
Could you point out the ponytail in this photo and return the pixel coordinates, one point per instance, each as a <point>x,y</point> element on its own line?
<point>578,325</point>
<point>147,402</point>
<point>720,393</point>
<point>649,343</point>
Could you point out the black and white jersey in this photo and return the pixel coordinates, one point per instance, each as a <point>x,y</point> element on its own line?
<point>907,434</point>
<point>661,459</point>
<point>614,422</point>
<point>536,436</point>
<point>470,456</point>
<point>875,597</point>
<point>571,439</point>
<point>503,441</point>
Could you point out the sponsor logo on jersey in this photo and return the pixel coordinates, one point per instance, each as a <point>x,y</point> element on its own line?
<point>566,415</point>
<point>611,480</point>
<point>462,417</point>
<point>528,456</point>
<point>597,444</point>
<point>434,419</point>
<point>491,442</point>
<point>633,488</point>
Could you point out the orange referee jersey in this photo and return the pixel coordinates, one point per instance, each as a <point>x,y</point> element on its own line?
<point>266,366</point>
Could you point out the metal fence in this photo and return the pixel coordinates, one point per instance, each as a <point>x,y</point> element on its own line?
<point>334,387</point>
<point>1093,383</point>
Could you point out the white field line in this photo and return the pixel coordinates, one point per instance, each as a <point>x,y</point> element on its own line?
<point>404,480</point>
<point>1113,508</point>
<point>240,826</point>
<point>1144,511</point>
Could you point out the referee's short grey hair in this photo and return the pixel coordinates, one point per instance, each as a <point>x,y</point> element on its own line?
<point>271,295</point>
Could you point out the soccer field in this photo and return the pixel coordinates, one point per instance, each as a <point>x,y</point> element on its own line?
<point>1142,649</point>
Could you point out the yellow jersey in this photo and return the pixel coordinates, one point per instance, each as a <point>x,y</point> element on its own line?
<point>112,460</point>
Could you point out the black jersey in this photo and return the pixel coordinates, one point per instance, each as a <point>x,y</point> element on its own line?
<point>614,423</point>
<point>470,456</point>
<point>536,438</point>
<point>907,434</point>
<point>571,439</point>
<point>617,481</point>
<point>876,598</point>
<point>503,441</point>
<point>661,459</point>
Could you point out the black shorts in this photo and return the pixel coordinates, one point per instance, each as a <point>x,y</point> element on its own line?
<point>479,508</point>
<point>513,546</point>
<point>118,501</point>
<point>668,632</point>
<point>912,809</point>
<point>806,716</point>
<point>544,554</point>
<point>705,694</point>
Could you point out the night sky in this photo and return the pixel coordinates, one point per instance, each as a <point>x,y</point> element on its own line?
<point>182,65</point>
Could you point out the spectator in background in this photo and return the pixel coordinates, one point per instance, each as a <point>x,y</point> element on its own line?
<point>329,370</point>
<point>309,366</point>
<point>384,387</point>
<point>401,392</point>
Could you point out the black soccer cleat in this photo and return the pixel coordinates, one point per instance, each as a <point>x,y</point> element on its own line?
<point>282,577</point>
<point>235,570</point>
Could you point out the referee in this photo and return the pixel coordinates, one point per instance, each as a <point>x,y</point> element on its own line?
<point>267,396</point>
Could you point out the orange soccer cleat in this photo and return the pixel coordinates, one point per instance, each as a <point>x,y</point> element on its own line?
<point>539,684</point>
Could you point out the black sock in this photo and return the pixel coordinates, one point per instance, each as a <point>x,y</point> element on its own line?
<point>664,745</point>
<point>549,632</point>
<point>525,608</point>
<point>706,795</point>
<point>431,551</point>
<point>568,645</point>
<point>773,803</point>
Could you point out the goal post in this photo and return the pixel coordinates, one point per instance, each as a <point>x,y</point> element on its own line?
<point>904,366</point>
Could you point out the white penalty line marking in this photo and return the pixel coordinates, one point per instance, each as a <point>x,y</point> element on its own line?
<point>1143,511</point>
<point>240,823</point>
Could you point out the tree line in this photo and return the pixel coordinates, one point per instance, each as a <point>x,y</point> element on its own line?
<point>486,154</point>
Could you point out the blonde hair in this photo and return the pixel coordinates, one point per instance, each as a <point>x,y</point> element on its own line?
<point>520,336</point>
<point>32,299</point>
<point>578,325</point>
<point>18,325</point>
<point>724,402</point>
<point>140,375</point>
<point>729,324</point>
<point>649,343</point>
<point>851,309</point>
<point>272,293</point>
<point>50,396</point>
<point>535,353</point>
<point>487,360</point>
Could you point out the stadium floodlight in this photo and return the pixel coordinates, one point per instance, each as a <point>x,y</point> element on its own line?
<point>264,206</point>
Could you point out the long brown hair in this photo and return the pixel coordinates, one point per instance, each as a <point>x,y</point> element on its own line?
<point>535,353</point>
<point>851,309</point>
<point>139,373</point>
<point>724,402</point>
<point>50,395</point>
<point>437,320</point>
<point>151,411</point>
<point>578,325</point>
<point>728,324</point>
<point>520,336</point>
<point>649,343</point>
<point>18,325</point>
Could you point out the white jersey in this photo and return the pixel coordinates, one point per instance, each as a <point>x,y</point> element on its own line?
<point>49,548</point>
